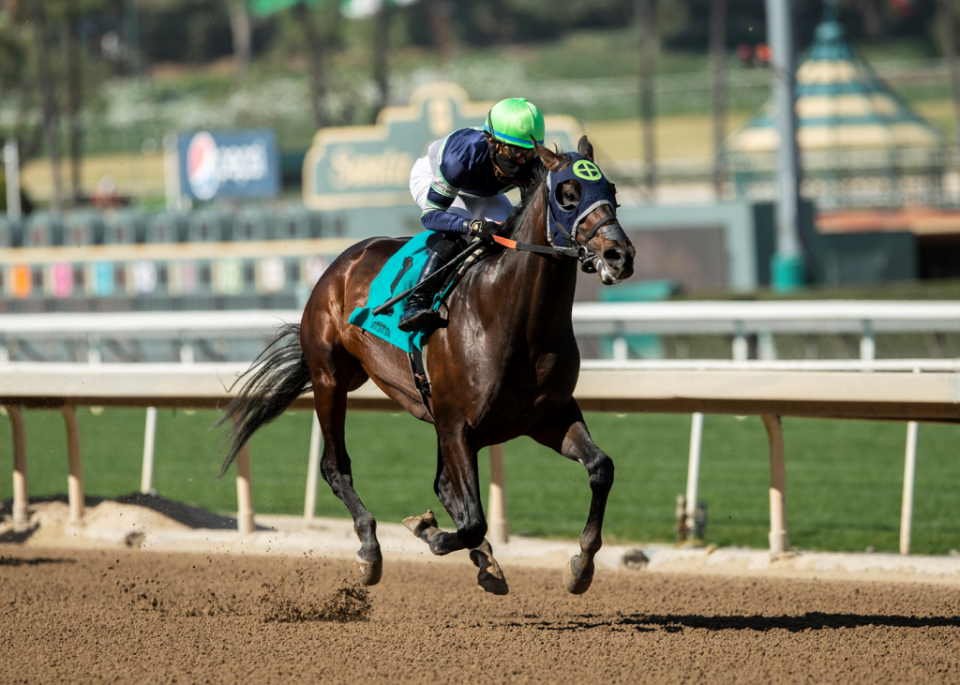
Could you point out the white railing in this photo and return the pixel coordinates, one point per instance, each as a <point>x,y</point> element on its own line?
<point>735,319</point>
<point>746,390</point>
<point>763,319</point>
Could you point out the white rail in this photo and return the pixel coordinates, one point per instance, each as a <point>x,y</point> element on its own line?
<point>747,389</point>
<point>145,324</point>
<point>736,319</point>
<point>801,316</point>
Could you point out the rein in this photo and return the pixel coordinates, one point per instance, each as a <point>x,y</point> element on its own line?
<point>587,259</point>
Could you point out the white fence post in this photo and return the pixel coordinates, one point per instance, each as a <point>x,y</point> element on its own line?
<point>741,348</point>
<point>313,468</point>
<point>621,350</point>
<point>245,522</point>
<point>909,486</point>
<point>499,527</point>
<point>21,518</point>
<point>868,346</point>
<point>779,540</point>
<point>149,447</point>
<point>909,479</point>
<point>75,479</point>
<point>693,470</point>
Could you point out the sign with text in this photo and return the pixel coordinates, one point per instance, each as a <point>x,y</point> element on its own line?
<point>236,164</point>
<point>369,166</point>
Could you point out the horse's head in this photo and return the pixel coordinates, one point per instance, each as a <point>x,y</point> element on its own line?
<point>584,204</point>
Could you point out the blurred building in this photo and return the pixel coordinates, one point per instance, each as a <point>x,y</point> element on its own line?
<point>861,145</point>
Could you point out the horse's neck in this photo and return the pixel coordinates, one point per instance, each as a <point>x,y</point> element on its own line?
<point>539,288</point>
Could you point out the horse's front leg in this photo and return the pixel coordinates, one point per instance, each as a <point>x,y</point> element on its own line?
<point>490,576</point>
<point>567,434</point>
<point>458,487</point>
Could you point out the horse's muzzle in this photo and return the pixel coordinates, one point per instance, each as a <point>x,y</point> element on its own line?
<point>616,255</point>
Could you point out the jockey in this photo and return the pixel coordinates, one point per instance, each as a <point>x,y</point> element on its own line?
<point>460,186</point>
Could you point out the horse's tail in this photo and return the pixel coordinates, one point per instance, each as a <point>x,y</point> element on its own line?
<point>277,377</point>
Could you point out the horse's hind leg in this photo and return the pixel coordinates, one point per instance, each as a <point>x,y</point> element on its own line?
<point>490,577</point>
<point>567,433</point>
<point>330,397</point>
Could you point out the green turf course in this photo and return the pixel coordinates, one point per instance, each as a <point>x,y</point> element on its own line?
<point>844,478</point>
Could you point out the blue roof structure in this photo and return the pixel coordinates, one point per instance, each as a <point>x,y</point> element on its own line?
<point>841,103</point>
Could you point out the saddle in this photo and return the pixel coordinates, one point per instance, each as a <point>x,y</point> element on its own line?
<point>417,356</point>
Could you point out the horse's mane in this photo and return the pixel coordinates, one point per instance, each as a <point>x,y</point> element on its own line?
<point>515,220</point>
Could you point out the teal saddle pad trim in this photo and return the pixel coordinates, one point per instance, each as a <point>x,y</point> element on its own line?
<point>399,273</point>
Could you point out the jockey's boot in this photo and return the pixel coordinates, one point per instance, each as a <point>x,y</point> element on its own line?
<point>418,313</point>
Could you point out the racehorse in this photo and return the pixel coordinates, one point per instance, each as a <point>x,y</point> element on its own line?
<point>505,366</point>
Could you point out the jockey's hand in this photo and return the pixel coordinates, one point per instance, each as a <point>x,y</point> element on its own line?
<point>484,230</point>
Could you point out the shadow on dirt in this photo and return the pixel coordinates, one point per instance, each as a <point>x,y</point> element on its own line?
<point>193,517</point>
<point>15,561</point>
<point>673,623</point>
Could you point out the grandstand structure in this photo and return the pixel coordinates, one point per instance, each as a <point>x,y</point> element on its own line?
<point>861,145</point>
<point>257,257</point>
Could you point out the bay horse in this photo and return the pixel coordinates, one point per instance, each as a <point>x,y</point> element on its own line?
<point>505,366</point>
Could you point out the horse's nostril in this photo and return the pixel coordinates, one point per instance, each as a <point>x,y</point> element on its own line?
<point>613,257</point>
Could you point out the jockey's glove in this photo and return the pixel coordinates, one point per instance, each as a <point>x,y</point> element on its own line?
<point>483,230</point>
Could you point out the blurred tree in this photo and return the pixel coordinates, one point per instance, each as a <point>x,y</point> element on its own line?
<point>242,33</point>
<point>871,15</point>
<point>381,48</point>
<point>179,31</point>
<point>646,18</point>
<point>318,42</point>
<point>49,108</point>
<point>718,56</point>
<point>439,11</point>
<point>74,95</point>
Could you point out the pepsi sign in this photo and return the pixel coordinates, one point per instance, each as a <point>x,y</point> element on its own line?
<point>235,164</point>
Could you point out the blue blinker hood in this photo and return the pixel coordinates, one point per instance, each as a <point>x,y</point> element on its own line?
<point>597,191</point>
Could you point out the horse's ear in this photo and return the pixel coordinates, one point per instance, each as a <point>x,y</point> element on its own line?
<point>549,159</point>
<point>585,148</point>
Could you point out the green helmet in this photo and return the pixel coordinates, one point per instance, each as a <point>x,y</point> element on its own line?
<point>513,121</point>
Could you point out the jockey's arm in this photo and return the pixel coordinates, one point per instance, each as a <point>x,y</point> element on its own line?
<point>451,175</point>
<point>436,218</point>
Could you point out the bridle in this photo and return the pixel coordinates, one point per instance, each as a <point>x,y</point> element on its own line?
<point>588,260</point>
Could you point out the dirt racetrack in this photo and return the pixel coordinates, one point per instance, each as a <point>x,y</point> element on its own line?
<point>85,616</point>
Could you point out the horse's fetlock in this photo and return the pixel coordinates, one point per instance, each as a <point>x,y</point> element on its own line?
<point>365,526</point>
<point>591,545</point>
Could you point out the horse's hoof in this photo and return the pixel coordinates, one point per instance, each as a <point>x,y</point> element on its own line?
<point>370,572</point>
<point>575,585</point>
<point>419,524</point>
<point>490,577</point>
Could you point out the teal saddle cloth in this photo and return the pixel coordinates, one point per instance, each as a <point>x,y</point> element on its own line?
<point>398,274</point>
